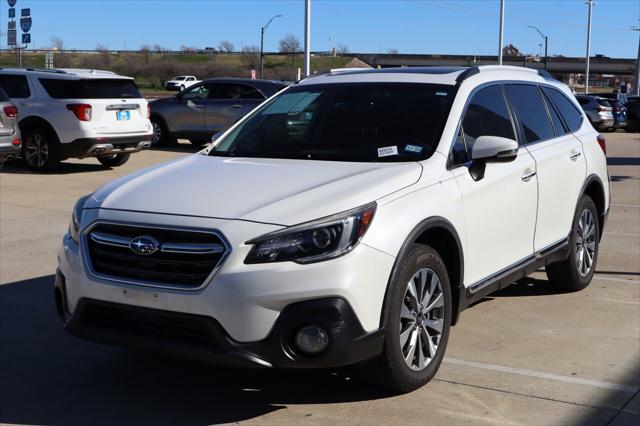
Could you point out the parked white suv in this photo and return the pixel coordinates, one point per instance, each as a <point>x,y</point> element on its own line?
<point>349,218</point>
<point>74,113</point>
<point>181,82</point>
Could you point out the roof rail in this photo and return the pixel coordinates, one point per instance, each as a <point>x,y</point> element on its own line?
<point>466,74</point>
<point>55,71</point>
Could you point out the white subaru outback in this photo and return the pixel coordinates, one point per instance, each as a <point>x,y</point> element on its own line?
<point>349,219</point>
<point>74,113</point>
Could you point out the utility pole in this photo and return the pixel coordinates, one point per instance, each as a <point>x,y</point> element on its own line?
<point>586,74</point>
<point>262,30</point>
<point>501,36</point>
<point>307,38</point>
<point>636,83</point>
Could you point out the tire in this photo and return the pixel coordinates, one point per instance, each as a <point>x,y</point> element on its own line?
<point>40,149</point>
<point>115,160</point>
<point>399,369</point>
<point>160,135</point>
<point>181,88</point>
<point>575,273</point>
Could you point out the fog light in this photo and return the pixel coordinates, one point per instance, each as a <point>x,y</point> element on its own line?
<point>312,339</point>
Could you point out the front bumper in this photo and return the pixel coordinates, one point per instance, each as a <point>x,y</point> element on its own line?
<point>202,338</point>
<point>97,147</point>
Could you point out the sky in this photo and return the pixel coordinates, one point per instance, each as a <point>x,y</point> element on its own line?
<point>365,26</point>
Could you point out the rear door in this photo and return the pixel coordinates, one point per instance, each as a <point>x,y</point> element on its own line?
<point>560,162</point>
<point>499,209</point>
<point>229,102</point>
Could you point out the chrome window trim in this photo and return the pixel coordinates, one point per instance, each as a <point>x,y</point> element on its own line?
<point>84,237</point>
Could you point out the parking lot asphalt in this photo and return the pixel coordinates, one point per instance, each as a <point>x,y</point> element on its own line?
<point>525,355</point>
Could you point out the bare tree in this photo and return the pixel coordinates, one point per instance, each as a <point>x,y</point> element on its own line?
<point>342,49</point>
<point>158,49</point>
<point>225,46</point>
<point>251,57</point>
<point>289,44</point>
<point>511,50</point>
<point>145,49</point>
<point>392,51</point>
<point>57,43</point>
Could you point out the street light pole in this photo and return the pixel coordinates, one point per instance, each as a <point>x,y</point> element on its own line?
<point>546,45</point>
<point>262,30</point>
<point>501,35</point>
<point>586,74</point>
<point>307,38</point>
<point>636,83</point>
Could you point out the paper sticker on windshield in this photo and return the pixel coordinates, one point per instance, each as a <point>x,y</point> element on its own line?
<point>441,93</point>
<point>413,149</point>
<point>387,151</point>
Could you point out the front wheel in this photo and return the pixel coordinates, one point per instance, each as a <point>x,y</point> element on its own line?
<point>115,160</point>
<point>417,320</point>
<point>576,272</point>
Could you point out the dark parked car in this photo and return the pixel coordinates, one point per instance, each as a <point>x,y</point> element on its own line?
<point>633,113</point>
<point>598,111</point>
<point>207,108</point>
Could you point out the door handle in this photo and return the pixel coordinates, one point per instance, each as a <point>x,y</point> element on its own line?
<point>236,106</point>
<point>575,155</point>
<point>528,175</point>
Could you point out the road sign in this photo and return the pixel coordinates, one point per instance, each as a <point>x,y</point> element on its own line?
<point>12,25</point>
<point>26,38</point>
<point>25,12</point>
<point>12,13</point>
<point>11,37</point>
<point>25,23</point>
<point>12,2</point>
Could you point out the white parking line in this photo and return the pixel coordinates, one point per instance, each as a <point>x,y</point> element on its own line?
<point>626,205</point>
<point>616,280</point>
<point>549,376</point>
<point>622,234</point>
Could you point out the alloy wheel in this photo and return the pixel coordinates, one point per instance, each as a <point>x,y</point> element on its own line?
<point>585,242</point>
<point>36,150</point>
<point>421,319</point>
<point>157,133</point>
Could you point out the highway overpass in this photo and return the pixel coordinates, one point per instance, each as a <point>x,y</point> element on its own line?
<point>558,65</point>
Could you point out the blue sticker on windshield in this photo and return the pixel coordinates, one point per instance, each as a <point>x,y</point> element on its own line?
<point>413,149</point>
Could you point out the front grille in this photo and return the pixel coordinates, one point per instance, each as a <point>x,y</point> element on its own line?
<point>147,323</point>
<point>182,258</point>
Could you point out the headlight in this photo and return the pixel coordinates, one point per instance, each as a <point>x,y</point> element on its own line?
<point>76,216</point>
<point>321,239</point>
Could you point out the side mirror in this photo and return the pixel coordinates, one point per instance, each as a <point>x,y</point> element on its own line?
<point>491,149</point>
<point>494,149</point>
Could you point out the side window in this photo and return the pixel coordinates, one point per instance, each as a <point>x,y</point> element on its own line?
<point>200,91</point>
<point>235,91</point>
<point>558,127</point>
<point>569,112</point>
<point>531,112</point>
<point>486,115</point>
<point>16,86</point>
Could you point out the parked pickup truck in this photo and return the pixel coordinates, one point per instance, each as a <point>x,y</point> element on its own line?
<point>181,82</point>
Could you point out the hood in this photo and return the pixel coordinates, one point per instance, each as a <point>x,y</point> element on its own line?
<point>277,191</point>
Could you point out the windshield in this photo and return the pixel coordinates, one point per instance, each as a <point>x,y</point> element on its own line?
<point>360,122</point>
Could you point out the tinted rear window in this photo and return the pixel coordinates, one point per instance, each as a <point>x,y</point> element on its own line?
<point>15,86</point>
<point>531,112</point>
<point>567,109</point>
<point>90,89</point>
<point>3,96</point>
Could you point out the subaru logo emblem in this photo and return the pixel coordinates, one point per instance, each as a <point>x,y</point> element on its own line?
<point>144,245</point>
